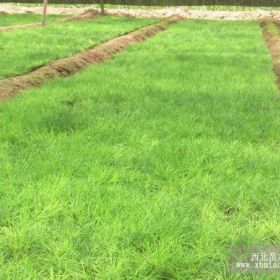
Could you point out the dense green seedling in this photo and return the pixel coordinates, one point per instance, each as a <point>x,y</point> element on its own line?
<point>147,167</point>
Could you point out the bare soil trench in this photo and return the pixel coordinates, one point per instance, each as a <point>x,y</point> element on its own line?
<point>273,44</point>
<point>68,66</point>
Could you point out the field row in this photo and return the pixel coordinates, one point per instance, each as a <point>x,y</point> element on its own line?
<point>23,50</point>
<point>145,167</point>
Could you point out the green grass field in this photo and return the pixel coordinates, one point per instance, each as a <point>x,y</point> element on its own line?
<point>146,167</point>
<point>6,19</point>
<point>22,50</point>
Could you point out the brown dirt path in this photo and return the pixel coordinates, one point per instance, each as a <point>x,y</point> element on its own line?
<point>184,12</point>
<point>68,66</point>
<point>272,41</point>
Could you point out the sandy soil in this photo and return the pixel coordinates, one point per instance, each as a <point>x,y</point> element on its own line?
<point>160,13</point>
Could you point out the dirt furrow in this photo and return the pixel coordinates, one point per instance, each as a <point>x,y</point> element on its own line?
<point>272,40</point>
<point>68,66</point>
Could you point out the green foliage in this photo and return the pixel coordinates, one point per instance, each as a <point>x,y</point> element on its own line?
<point>145,167</point>
<point>7,19</point>
<point>272,29</point>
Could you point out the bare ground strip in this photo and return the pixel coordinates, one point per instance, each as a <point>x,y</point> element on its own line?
<point>271,33</point>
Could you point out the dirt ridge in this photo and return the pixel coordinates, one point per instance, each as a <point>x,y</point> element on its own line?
<point>68,66</point>
<point>272,42</point>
